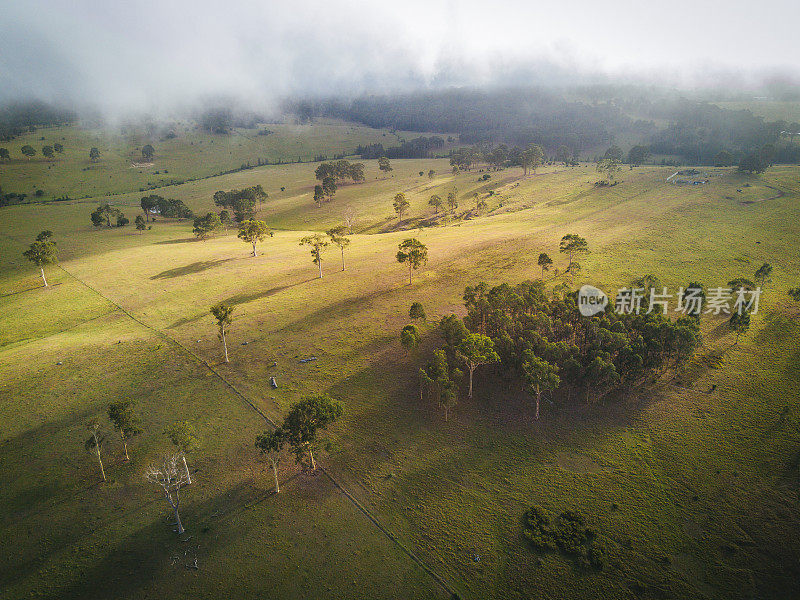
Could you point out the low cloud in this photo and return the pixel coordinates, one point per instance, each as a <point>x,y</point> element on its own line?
<point>153,56</point>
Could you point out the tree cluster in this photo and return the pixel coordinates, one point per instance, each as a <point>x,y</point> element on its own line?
<point>107,215</point>
<point>169,208</point>
<point>243,202</point>
<point>420,147</point>
<point>543,343</point>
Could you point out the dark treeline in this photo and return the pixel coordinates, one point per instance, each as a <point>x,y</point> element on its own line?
<point>583,119</point>
<point>519,117</point>
<point>421,147</point>
<point>21,117</point>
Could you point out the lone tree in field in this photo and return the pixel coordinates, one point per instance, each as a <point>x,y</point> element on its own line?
<point>739,323</point>
<point>125,421</point>
<point>183,437</point>
<point>794,294</point>
<point>431,173</point>
<point>452,201</point>
<point>304,422</point>
<point>94,154</point>
<point>271,444</point>
<point>409,337</point>
<point>252,232</point>
<point>47,151</point>
<point>28,151</point>
<point>318,243</point>
<point>611,163</point>
<point>764,271</point>
<point>413,252</point>
<point>222,313</point>
<point>42,252</point>
<point>5,154</point>
<point>339,237</point>
<point>540,376</point>
<point>94,443</point>
<point>141,225</point>
<point>573,245</point>
<point>545,262</point>
<point>384,165</point>
<point>171,479</point>
<point>58,147</point>
<point>148,152</point>
<point>400,205</point>
<point>319,195</point>
<point>206,226</point>
<point>476,350</point>
<point>436,203</point>
<point>417,311</point>
<point>436,379</point>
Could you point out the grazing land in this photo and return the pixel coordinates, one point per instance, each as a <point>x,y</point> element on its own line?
<point>694,492</point>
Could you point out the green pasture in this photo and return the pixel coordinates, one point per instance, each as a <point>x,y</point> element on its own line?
<point>693,492</point>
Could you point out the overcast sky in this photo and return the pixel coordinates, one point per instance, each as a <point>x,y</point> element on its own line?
<point>156,54</point>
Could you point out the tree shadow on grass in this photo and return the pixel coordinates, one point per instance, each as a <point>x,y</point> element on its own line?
<point>196,267</point>
<point>241,299</point>
<point>180,241</point>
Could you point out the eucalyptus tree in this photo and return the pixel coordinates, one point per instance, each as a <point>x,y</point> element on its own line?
<point>545,262</point>
<point>42,252</point>
<point>271,444</point>
<point>384,164</point>
<point>435,202</point>
<point>253,231</point>
<point>317,243</point>
<point>304,422</point>
<point>573,245</point>
<point>410,337</point>
<point>222,313</point>
<point>417,311</point>
<point>339,237</point>
<point>476,350</point>
<point>439,382</point>
<point>540,376</point>
<point>183,436</point>
<point>413,252</point>
<point>125,420</point>
<point>400,204</point>
<point>452,201</point>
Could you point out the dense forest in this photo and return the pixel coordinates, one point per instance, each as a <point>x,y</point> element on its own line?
<point>584,120</point>
<point>18,117</point>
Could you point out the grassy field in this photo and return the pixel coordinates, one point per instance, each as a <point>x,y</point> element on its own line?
<point>191,154</point>
<point>695,493</point>
<point>771,110</point>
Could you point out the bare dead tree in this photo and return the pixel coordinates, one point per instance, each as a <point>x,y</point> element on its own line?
<point>349,216</point>
<point>171,477</point>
